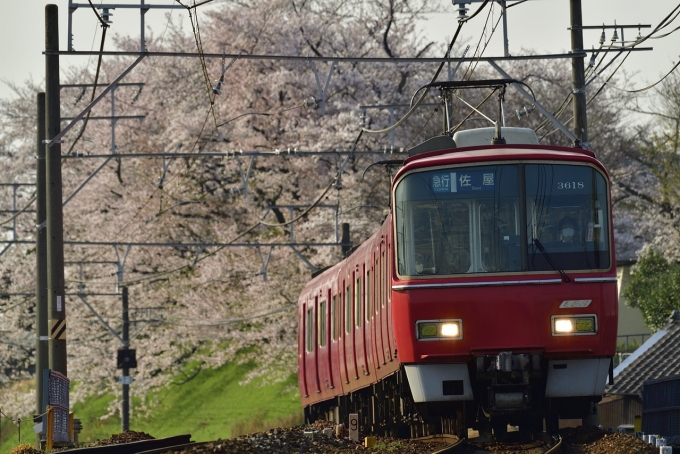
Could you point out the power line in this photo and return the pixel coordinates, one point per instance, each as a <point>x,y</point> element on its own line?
<point>582,54</point>
<point>233,154</point>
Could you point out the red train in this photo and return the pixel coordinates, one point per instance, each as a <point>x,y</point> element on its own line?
<point>488,297</point>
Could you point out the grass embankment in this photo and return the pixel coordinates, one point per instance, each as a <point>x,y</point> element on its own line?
<point>209,406</point>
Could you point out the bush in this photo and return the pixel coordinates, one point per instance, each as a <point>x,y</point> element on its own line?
<point>25,448</point>
<point>654,288</point>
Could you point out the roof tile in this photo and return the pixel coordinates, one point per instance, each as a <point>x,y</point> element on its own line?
<point>660,358</point>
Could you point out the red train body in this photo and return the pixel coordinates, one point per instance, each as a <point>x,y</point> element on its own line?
<point>488,297</point>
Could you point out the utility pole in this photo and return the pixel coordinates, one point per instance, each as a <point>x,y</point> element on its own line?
<point>578,79</point>
<point>125,410</point>
<point>42,337</point>
<point>54,214</point>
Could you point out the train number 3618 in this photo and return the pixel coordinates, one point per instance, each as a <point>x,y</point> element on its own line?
<point>570,185</point>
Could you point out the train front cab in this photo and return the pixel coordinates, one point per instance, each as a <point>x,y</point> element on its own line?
<point>505,302</point>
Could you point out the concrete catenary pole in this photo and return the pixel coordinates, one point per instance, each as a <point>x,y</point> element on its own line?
<point>54,214</point>
<point>578,79</point>
<point>41,309</point>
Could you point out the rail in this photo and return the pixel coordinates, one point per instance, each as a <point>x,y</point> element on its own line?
<point>135,447</point>
<point>544,445</point>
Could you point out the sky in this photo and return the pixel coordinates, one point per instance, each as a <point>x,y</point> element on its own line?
<point>541,25</point>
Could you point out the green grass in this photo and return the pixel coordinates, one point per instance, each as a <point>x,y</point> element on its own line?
<point>209,406</point>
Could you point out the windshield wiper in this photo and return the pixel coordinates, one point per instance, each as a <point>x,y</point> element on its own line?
<point>547,257</point>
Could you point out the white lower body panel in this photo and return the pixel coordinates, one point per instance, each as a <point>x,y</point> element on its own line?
<point>439,382</point>
<point>577,377</point>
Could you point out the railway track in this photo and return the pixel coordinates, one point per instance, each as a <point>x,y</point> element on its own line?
<point>542,445</point>
<point>299,440</point>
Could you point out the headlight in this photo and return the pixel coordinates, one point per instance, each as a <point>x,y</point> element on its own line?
<point>450,330</point>
<point>564,325</point>
<point>439,329</point>
<point>574,325</point>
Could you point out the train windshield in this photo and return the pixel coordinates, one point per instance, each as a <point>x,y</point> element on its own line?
<point>502,218</point>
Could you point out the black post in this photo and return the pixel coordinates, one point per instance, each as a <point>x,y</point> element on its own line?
<point>345,242</point>
<point>41,333</point>
<point>125,411</point>
<point>578,79</point>
<point>54,214</point>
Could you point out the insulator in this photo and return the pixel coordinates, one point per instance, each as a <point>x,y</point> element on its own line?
<point>218,84</point>
<point>462,10</point>
<point>524,112</point>
<point>106,15</point>
<point>591,63</point>
<point>602,37</point>
<point>310,102</point>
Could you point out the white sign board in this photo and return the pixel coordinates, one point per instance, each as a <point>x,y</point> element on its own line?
<point>354,427</point>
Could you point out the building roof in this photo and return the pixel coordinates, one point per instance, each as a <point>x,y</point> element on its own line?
<point>656,358</point>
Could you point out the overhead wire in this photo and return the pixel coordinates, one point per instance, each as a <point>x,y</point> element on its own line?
<point>228,321</point>
<point>473,64</point>
<point>199,46</point>
<point>241,235</point>
<point>410,112</point>
<point>567,99</point>
<point>665,22</point>
<point>328,188</point>
<point>15,215</point>
<point>104,26</point>
<point>211,109</point>
<point>100,250</point>
<point>648,87</point>
<point>196,32</point>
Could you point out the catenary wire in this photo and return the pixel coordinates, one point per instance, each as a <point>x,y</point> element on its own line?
<point>434,78</point>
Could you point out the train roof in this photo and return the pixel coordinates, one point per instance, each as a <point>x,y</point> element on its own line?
<point>521,145</point>
<point>499,153</point>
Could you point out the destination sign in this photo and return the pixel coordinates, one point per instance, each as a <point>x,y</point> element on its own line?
<point>463,181</point>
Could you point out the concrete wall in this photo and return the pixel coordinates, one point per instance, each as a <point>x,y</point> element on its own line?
<point>630,319</point>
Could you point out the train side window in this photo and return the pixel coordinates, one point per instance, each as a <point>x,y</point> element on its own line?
<point>378,284</point>
<point>358,302</point>
<point>369,291</point>
<point>388,275</point>
<point>334,318</point>
<point>309,330</point>
<point>322,323</point>
<point>384,273</point>
<point>348,309</point>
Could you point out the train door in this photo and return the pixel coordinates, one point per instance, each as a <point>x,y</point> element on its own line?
<point>354,315</point>
<point>389,330</point>
<point>348,333</point>
<point>368,317</point>
<point>311,364</point>
<point>302,350</point>
<point>359,324</point>
<point>384,343</point>
<point>322,348</point>
<point>378,354</point>
<point>335,324</point>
